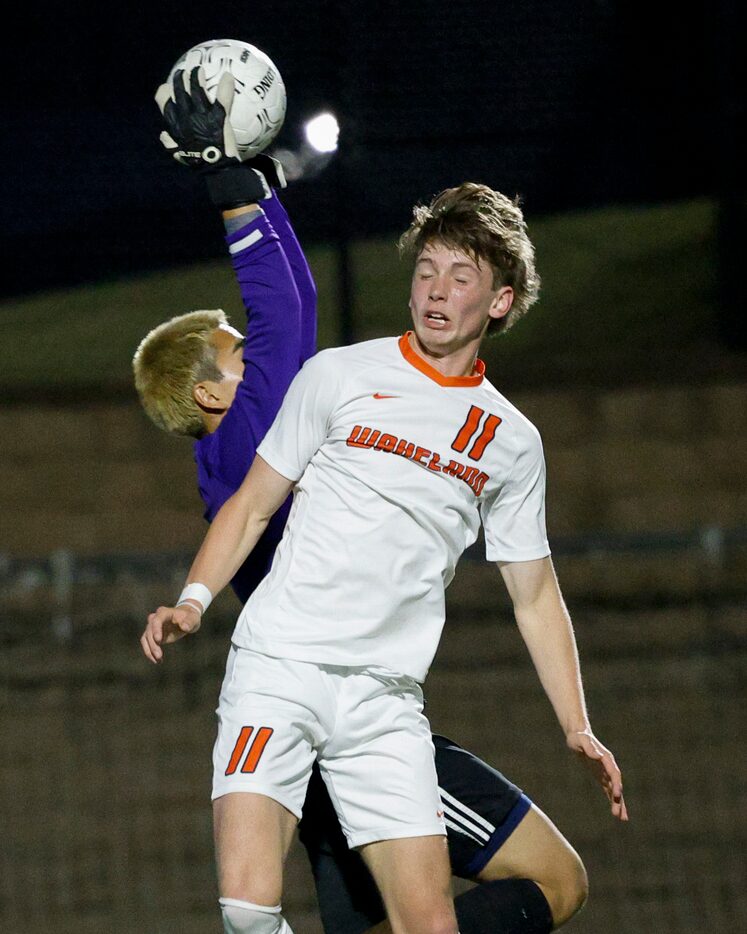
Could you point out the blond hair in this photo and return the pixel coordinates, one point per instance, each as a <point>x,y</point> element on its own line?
<point>169,362</point>
<point>485,225</point>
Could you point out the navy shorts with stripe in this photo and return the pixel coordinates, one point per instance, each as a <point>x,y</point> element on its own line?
<point>481,809</point>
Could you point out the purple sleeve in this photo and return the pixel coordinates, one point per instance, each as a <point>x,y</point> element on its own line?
<point>279,295</point>
<point>301,274</point>
<point>272,357</point>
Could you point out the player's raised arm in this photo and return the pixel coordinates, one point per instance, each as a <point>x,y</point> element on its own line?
<point>301,272</point>
<point>273,277</point>
<point>546,628</point>
<point>230,538</point>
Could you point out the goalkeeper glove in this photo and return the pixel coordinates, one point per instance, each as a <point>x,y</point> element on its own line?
<point>200,135</point>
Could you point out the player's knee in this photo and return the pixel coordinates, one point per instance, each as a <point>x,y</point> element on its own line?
<point>447,925</point>
<point>437,924</point>
<point>436,919</point>
<point>444,924</point>
<point>241,917</point>
<point>570,888</point>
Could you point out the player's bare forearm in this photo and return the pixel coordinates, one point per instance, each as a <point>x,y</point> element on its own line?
<point>231,537</point>
<point>238,526</point>
<point>546,628</point>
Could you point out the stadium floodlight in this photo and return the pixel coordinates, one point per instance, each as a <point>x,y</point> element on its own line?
<point>322,132</point>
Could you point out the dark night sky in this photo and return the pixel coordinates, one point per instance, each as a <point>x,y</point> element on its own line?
<point>571,103</point>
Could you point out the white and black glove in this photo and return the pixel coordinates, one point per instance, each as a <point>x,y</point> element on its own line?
<point>200,135</point>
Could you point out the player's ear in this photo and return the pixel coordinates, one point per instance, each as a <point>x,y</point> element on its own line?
<point>502,302</point>
<point>209,395</point>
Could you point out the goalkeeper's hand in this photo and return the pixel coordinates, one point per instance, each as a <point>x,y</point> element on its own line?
<point>200,135</point>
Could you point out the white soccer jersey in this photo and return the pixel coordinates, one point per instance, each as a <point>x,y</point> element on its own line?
<point>394,465</point>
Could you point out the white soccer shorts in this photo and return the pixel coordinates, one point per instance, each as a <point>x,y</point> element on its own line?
<point>364,725</point>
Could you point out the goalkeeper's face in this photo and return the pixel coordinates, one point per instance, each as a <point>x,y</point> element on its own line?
<point>215,396</point>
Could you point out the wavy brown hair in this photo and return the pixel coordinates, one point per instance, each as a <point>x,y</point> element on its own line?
<point>485,225</point>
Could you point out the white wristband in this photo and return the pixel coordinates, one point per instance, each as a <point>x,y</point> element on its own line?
<point>198,592</point>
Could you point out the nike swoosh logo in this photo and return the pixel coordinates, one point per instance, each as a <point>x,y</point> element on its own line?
<point>439,814</point>
<point>382,395</point>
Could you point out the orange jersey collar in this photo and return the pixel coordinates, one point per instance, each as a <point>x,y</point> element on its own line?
<point>414,359</point>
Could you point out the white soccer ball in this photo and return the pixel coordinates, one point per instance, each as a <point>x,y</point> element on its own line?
<point>258,107</point>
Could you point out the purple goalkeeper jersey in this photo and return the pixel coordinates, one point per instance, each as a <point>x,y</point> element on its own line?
<point>279,295</point>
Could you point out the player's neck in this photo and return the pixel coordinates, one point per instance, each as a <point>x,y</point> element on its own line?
<point>211,420</point>
<point>455,363</point>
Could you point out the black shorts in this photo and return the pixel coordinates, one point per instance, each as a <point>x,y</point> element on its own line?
<point>481,809</point>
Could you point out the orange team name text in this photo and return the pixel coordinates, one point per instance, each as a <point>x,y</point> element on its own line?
<point>376,440</point>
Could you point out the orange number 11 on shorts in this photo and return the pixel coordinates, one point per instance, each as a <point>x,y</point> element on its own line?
<point>254,754</point>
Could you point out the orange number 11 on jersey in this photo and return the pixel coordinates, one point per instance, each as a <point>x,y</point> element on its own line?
<point>470,429</point>
<point>255,750</point>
